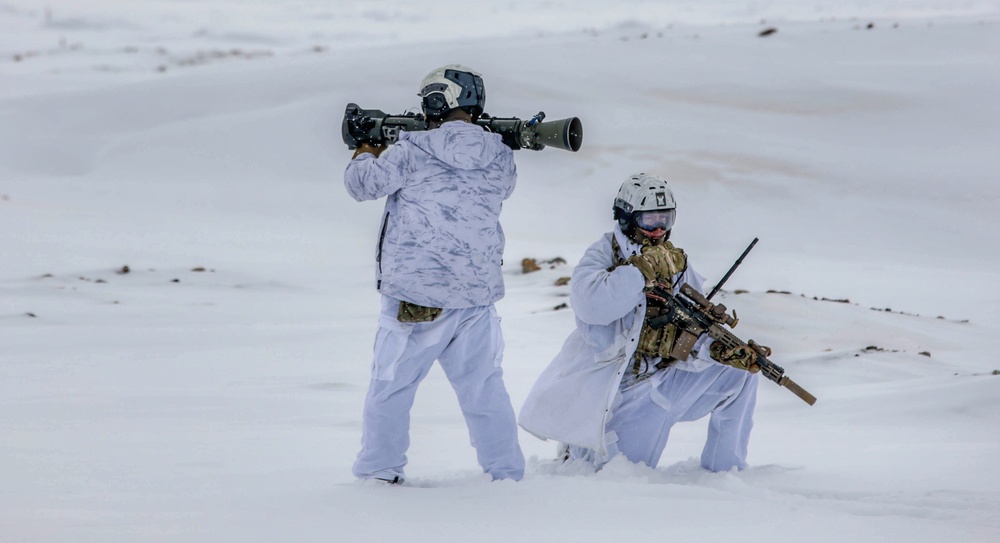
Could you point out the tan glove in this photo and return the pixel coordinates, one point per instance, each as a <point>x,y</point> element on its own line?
<point>368,148</point>
<point>659,262</point>
<point>762,349</point>
<point>740,357</point>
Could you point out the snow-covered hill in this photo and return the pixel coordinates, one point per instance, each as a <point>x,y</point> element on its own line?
<point>212,390</point>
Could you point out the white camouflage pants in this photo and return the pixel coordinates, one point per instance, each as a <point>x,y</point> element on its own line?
<point>641,419</point>
<point>469,346</point>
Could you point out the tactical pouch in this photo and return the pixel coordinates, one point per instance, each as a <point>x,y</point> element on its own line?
<point>656,342</point>
<point>410,312</point>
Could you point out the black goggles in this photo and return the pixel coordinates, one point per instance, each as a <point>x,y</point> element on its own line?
<point>656,219</point>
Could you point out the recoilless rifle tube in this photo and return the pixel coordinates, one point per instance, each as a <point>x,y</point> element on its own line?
<point>375,127</point>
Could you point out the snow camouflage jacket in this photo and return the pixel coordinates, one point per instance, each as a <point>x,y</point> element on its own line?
<point>572,399</point>
<point>440,243</point>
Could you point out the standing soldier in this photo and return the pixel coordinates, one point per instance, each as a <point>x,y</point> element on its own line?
<point>438,268</point>
<point>613,388</point>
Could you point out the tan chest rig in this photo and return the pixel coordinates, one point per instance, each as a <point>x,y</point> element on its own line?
<point>653,342</point>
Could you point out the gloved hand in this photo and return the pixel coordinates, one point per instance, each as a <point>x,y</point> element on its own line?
<point>368,148</point>
<point>762,349</point>
<point>659,262</point>
<point>738,357</point>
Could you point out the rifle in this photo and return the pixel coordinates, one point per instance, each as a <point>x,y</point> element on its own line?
<point>694,316</point>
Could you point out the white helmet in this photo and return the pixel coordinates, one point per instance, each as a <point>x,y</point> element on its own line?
<point>451,87</point>
<point>645,201</point>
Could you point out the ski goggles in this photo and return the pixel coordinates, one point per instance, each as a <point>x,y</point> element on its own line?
<point>653,220</point>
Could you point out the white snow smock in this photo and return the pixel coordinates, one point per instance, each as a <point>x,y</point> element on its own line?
<point>573,397</point>
<point>440,243</point>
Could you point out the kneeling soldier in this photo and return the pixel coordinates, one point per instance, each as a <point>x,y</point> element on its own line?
<point>613,388</point>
